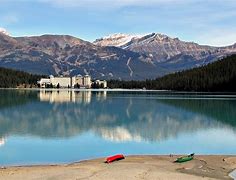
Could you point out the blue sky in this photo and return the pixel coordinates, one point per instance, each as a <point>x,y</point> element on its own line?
<point>211,22</point>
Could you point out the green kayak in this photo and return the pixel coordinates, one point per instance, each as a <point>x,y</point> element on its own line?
<point>185,158</point>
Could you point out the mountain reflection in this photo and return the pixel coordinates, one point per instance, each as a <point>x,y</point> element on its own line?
<point>111,115</point>
<point>2,141</point>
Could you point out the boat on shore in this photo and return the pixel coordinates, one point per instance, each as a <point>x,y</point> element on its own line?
<point>185,158</point>
<point>115,158</point>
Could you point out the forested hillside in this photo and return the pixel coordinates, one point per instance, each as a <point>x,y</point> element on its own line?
<point>218,76</point>
<point>12,79</point>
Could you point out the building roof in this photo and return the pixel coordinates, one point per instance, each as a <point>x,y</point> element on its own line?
<point>44,80</point>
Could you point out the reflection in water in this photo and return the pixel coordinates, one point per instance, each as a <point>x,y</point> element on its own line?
<point>118,134</point>
<point>113,116</point>
<point>58,127</point>
<point>2,141</point>
<point>218,109</point>
<point>63,96</point>
<point>11,98</point>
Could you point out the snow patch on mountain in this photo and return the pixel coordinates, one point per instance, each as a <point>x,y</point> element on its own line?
<point>125,40</point>
<point>117,40</point>
<point>4,31</point>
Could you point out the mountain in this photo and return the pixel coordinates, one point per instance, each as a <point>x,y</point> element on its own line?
<point>67,55</point>
<point>162,48</point>
<point>120,56</point>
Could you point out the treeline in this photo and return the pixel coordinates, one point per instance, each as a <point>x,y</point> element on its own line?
<point>12,78</point>
<point>217,76</point>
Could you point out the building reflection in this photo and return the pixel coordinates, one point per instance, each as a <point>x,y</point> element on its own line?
<point>2,141</point>
<point>55,96</point>
<point>62,96</point>
<point>101,95</point>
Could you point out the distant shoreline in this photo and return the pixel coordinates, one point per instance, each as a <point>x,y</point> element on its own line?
<point>124,90</point>
<point>223,94</point>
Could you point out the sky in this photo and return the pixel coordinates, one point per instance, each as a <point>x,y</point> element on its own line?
<point>211,22</point>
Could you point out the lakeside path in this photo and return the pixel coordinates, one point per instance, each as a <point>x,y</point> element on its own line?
<point>133,167</point>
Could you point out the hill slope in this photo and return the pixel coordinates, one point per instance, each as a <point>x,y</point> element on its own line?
<point>218,76</point>
<point>12,78</point>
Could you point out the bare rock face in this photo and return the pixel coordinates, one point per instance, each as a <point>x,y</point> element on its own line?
<point>118,56</point>
<point>67,55</point>
<point>162,48</point>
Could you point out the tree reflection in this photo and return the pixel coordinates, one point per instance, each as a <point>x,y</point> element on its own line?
<point>111,115</point>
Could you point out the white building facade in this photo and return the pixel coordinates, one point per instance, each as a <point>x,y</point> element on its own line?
<point>102,83</point>
<point>44,82</point>
<point>66,82</point>
<point>77,80</point>
<point>87,81</point>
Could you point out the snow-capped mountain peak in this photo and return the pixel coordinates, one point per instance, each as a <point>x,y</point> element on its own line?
<point>125,40</point>
<point>117,40</point>
<point>4,31</point>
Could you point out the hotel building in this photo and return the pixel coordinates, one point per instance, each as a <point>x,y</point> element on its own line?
<point>69,82</point>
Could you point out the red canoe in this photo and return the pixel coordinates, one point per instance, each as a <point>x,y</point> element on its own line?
<point>115,158</point>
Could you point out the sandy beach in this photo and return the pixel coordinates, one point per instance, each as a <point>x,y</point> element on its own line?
<point>132,167</point>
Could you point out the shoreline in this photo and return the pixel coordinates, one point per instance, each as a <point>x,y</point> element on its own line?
<point>132,167</point>
<point>84,89</point>
<point>128,90</point>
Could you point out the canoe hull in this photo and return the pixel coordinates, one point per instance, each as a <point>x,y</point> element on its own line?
<point>115,158</point>
<point>184,159</point>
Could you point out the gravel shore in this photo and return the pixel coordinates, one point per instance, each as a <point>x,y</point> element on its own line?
<point>132,167</point>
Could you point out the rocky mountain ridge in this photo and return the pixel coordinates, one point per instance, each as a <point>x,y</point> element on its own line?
<point>161,47</point>
<point>118,56</point>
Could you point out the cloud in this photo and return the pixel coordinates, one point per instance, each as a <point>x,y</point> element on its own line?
<point>112,3</point>
<point>124,3</point>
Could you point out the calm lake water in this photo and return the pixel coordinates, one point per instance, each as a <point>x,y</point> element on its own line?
<point>41,127</point>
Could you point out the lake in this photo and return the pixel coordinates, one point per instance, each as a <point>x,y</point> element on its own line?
<point>47,127</point>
